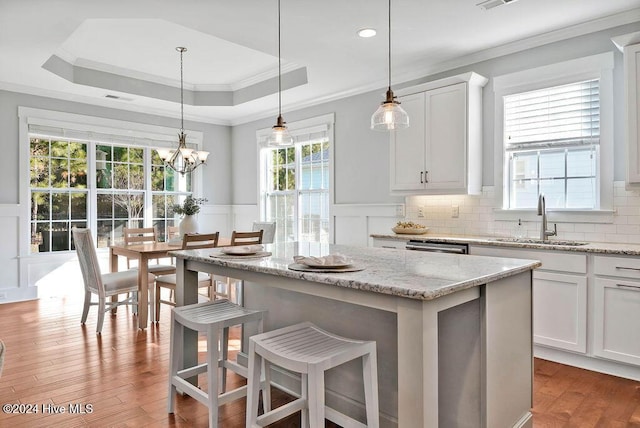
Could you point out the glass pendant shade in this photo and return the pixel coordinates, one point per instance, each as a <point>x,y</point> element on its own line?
<point>280,136</point>
<point>390,115</point>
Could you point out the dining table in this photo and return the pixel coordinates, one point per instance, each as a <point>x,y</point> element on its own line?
<point>143,253</point>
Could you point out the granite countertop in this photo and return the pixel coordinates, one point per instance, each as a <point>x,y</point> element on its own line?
<point>591,247</point>
<point>410,274</point>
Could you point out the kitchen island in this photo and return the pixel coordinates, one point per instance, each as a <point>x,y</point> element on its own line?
<point>453,332</point>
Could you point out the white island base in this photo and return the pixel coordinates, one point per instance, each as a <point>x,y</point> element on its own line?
<point>441,363</point>
<point>458,358</point>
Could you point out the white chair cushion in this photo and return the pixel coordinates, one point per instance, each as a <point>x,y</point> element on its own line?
<point>171,279</point>
<point>160,268</point>
<point>124,282</point>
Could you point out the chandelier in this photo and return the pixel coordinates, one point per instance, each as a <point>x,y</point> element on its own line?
<point>182,160</point>
<point>389,115</point>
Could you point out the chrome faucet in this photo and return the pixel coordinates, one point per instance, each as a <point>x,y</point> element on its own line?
<point>542,210</point>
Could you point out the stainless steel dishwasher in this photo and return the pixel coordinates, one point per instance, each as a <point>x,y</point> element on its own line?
<point>437,247</point>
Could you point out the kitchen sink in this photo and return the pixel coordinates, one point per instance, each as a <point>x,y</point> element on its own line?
<point>540,241</point>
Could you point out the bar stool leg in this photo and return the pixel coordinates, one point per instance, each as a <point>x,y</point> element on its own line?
<point>174,363</point>
<point>225,355</point>
<point>253,388</point>
<point>212,374</point>
<point>315,402</point>
<point>266,388</point>
<point>304,393</point>
<point>370,376</point>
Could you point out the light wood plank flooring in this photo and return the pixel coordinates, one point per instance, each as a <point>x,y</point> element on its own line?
<point>52,359</point>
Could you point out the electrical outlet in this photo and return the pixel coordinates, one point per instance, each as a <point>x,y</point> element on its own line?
<point>455,211</point>
<point>420,212</point>
<point>399,210</point>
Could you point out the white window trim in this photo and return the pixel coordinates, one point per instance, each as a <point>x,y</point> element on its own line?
<point>140,133</point>
<point>319,123</point>
<point>592,67</point>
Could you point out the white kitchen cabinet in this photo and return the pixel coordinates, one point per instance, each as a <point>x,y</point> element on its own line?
<point>632,101</point>
<point>441,151</point>
<point>389,243</point>
<point>616,314</point>
<point>559,296</point>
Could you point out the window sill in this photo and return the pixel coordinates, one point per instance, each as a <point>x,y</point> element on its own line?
<point>557,216</point>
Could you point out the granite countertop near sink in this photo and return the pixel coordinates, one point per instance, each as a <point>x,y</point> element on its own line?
<point>501,241</point>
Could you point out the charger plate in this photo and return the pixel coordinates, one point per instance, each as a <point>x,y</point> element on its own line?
<point>304,268</point>
<point>256,255</point>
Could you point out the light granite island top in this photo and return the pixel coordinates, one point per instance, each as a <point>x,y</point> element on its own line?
<point>453,332</point>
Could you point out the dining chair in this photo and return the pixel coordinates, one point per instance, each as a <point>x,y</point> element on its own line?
<point>190,241</point>
<point>104,285</point>
<point>2,352</point>
<point>146,235</point>
<point>246,238</point>
<point>268,230</point>
<point>231,288</point>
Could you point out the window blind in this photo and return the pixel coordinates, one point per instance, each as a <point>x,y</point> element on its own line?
<point>560,116</point>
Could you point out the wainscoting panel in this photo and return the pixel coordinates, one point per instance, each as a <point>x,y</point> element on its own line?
<point>10,287</point>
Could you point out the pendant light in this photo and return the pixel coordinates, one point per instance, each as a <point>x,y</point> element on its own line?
<point>182,160</point>
<point>280,136</point>
<point>389,115</point>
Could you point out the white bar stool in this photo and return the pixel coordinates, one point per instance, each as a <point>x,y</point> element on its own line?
<point>306,349</point>
<point>212,318</point>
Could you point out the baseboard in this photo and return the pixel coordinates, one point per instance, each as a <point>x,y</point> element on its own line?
<point>589,363</point>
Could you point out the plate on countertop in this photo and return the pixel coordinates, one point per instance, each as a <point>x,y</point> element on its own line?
<point>241,250</point>
<point>410,230</point>
<point>304,268</point>
<point>332,261</point>
<point>245,256</point>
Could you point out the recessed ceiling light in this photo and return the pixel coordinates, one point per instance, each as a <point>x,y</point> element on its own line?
<point>367,32</point>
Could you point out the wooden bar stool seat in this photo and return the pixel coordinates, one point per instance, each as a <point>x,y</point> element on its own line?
<point>306,349</point>
<point>213,318</point>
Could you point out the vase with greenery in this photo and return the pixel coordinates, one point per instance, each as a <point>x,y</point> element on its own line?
<point>188,209</point>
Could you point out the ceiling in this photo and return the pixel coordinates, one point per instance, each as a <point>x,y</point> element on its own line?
<point>86,50</point>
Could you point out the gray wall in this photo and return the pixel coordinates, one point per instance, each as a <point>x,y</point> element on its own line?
<point>362,156</point>
<point>217,140</point>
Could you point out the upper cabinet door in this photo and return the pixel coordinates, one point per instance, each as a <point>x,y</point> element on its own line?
<point>631,79</point>
<point>446,138</point>
<point>441,151</point>
<point>408,146</point>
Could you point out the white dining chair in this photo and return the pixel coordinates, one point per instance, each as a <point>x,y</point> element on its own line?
<point>103,285</point>
<point>268,230</point>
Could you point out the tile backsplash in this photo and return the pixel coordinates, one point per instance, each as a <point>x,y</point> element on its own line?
<point>476,216</point>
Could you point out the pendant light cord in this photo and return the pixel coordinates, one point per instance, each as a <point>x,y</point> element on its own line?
<point>181,95</point>
<point>389,36</point>
<point>279,67</point>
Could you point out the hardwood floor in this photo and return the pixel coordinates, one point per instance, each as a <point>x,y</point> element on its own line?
<point>53,360</point>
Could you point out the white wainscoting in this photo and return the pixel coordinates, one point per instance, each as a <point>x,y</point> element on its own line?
<point>227,218</point>
<point>13,267</point>
<point>353,223</point>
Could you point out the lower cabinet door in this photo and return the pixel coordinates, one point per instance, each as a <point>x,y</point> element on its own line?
<point>560,311</point>
<point>617,320</point>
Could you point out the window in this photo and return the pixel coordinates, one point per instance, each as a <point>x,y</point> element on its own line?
<point>132,189</point>
<point>552,137</point>
<point>295,186</point>
<point>59,192</point>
